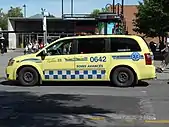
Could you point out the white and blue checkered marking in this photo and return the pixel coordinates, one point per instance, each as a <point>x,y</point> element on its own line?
<point>74,74</point>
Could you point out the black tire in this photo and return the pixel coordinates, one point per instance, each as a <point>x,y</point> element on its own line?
<point>24,75</point>
<point>122,77</point>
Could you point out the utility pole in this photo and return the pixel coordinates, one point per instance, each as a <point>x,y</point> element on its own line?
<point>62,8</point>
<point>72,8</point>
<point>24,7</point>
<point>122,7</point>
<point>45,14</point>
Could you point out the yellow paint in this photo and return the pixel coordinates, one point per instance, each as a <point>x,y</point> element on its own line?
<point>145,121</point>
<point>96,118</point>
<point>77,61</point>
<point>157,121</point>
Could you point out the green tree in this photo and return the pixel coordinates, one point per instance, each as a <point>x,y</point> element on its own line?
<point>50,15</point>
<point>95,13</point>
<point>15,12</point>
<point>12,12</point>
<point>106,9</point>
<point>3,20</point>
<point>152,19</point>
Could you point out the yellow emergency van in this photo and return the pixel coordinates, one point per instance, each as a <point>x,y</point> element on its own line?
<point>121,59</point>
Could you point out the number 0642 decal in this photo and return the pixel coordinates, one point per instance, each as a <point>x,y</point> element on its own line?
<point>98,59</point>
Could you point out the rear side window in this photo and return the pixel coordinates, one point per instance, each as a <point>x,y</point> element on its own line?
<point>91,45</point>
<point>124,45</point>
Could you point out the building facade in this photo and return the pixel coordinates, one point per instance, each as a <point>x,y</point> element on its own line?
<point>22,30</point>
<point>129,15</point>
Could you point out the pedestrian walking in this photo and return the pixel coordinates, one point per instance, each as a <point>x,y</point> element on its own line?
<point>36,46</point>
<point>2,46</point>
<point>153,46</point>
<point>165,57</point>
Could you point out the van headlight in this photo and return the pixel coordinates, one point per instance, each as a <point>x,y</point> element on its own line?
<point>11,61</point>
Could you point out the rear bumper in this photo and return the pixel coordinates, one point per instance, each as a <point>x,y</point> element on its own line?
<point>148,73</point>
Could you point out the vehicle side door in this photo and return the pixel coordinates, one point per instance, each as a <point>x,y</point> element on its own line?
<point>92,60</point>
<point>59,63</point>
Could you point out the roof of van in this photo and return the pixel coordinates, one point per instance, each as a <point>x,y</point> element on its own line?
<point>99,36</point>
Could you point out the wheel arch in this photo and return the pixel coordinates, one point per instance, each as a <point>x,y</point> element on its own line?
<point>129,67</point>
<point>22,66</point>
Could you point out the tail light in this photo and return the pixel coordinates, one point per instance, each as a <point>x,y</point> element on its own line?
<point>148,59</point>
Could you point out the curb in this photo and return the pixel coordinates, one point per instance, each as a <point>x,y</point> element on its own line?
<point>2,78</point>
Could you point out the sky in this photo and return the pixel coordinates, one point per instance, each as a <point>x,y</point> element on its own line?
<point>54,6</point>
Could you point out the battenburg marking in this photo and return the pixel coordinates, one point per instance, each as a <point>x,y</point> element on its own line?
<point>74,74</point>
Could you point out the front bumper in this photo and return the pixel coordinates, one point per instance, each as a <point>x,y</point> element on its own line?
<point>10,73</point>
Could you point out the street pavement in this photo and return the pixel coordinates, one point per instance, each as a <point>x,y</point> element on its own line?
<point>83,104</point>
<point>162,76</point>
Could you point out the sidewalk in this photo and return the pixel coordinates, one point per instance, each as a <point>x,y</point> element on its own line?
<point>165,74</point>
<point>16,50</point>
<point>5,58</point>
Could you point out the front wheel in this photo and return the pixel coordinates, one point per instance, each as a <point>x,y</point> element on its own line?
<point>28,76</point>
<point>122,77</point>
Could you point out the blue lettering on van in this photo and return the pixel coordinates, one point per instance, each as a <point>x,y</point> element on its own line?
<point>98,59</point>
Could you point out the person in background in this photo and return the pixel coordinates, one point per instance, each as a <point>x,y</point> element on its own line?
<point>36,46</point>
<point>41,45</point>
<point>153,46</point>
<point>26,49</point>
<point>165,57</point>
<point>2,45</point>
<point>2,48</point>
<point>30,47</point>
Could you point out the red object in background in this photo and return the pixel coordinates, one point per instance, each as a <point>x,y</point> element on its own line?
<point>117,25</point>
<point>41,45</point>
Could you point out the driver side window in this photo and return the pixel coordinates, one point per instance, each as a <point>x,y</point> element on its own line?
<point>60,48</point>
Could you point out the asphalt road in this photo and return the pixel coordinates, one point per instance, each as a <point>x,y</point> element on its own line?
<point>82,105</point>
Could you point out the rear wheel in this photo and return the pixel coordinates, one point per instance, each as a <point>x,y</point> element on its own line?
<point>28,76</point>
<point>122,77</point>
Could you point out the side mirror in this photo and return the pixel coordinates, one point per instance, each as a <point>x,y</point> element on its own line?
<point>44,53</point>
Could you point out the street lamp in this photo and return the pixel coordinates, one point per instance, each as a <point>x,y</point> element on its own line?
<point>24,7</point>
<point>109,5</point>
<point>45,14</point>
<point>122,7</point>
<point>118,6</point>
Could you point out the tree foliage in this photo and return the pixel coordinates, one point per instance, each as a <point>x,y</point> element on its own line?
<point>96,12</point>
<point>12,12</point>
<point>51,16</point>
<point>3,19</point>
<point>152,18</point>
<point>15,12</point>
